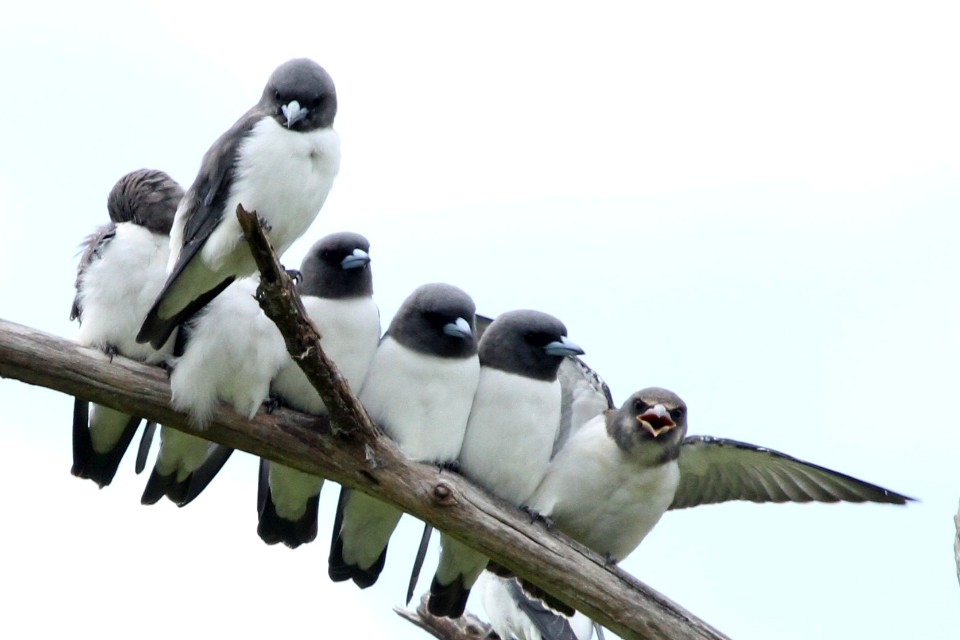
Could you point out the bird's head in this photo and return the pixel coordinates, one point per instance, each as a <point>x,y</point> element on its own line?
<point>652,420</point>
<point>300,96</point>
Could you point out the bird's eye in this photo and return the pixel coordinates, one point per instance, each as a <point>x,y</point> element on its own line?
<point>276,94</point>
<point>640,405</point>
<point>537,338</point>
<point>676,413</point>
<point>316,102</point>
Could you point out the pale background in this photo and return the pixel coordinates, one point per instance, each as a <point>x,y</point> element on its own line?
<point>756,207</point>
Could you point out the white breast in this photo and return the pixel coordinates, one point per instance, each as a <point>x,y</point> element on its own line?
<point>510,433</point>
<point>601,497</point>
<point>285,177</point>
<point>233,352</point>
<point>350,331</point>
<point>117,290</point>
<point>421,401</point>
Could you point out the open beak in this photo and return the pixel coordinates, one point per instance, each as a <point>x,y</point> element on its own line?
<point>293,112</point>
<point>656,420</point>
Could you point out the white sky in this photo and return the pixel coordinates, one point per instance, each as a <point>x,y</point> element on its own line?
<point>756,207</point>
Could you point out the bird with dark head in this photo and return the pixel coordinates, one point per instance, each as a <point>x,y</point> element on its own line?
<point>279,159</point>
<point>419,390</point>
<point>336,289</point>
<point>514,421</point>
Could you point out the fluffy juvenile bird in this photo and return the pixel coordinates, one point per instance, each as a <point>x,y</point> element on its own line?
<point>419,390</point>
<point>616,476</point>
<point>229,352</point>
<point>279,159</point>
<point>511,430</point>
<point>337,293</point>
<point>122,270</point>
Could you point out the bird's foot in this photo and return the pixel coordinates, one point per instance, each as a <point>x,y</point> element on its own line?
<point>536,515</point>
<point>111,350</point>
<point>267,227</point>
<point>609,560</point>
<point>272,403</point>
<point>452,466</point>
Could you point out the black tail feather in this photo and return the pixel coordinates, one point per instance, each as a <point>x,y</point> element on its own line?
<point>157,330</point>
<point>418,561</point>
<point>199,479</point>
<point>447,600</point>
<point>146,441</point>
<point>337,567</point>
<point>272,528</point>
<point>182,492</point>
<point>88,463</point>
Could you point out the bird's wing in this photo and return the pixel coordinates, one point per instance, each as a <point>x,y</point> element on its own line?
<point>203,204</point>
<point>552,625</point>
<point>716,470</point>
<point>93,246</point>
<point>583,396</point>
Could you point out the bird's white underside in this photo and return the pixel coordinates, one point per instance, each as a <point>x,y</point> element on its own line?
<point>602,497</point>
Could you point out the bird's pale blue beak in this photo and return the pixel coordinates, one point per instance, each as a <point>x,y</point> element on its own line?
<point>293,112</point>
<point>359,258</point>
<point>563,347</point>
<point>460,328</point>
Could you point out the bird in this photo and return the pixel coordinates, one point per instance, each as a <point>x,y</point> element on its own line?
<point>336,288</point>
<point>419,390</point>
<point>121,271</point>
<point>280,160</point>
<point>229,352</point>
<point>514,614</point>
<point>511,430</point>
<point>612,481</point>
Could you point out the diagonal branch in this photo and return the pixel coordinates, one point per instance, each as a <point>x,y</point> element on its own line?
<point>376,466</point>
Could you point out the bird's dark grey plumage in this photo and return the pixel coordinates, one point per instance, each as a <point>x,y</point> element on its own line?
<point>120,272</point>
<point>279,159</point>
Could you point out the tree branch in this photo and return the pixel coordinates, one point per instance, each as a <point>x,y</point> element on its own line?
<point>466,627</point>
<point>445,500</point>
<point>358,456</point>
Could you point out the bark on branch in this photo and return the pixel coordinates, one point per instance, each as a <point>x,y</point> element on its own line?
<point>359,457</point>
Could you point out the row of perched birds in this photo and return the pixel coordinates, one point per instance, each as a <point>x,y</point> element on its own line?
<point>507,403</point>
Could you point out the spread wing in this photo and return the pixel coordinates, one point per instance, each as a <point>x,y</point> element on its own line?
<point>716,470</point>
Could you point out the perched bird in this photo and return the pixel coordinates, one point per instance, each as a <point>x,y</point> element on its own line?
<point>510,433</point>
<point>279,159</point>
<point>514,614</point>
<point>418,389</point>
<point>228,352</point>
<point>336,287</point>
<point>122,270</point>
<point>617,475</point>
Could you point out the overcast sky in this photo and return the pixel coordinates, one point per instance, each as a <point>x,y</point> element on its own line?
<point>755,207</point>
